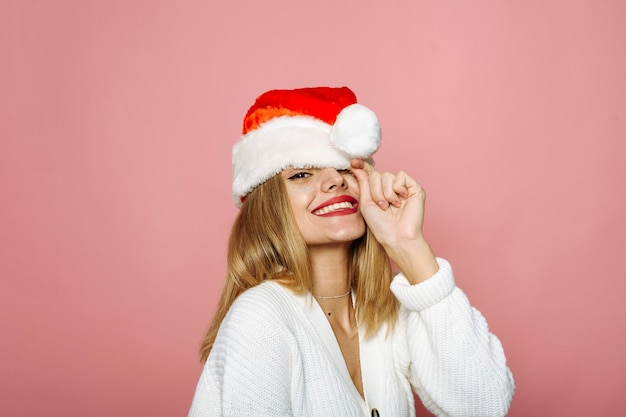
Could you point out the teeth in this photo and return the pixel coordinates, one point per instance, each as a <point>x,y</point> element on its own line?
<point>334,207</point>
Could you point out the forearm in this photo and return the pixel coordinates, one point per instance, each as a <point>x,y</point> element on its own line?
<point>414,258</point>
<point>447,337</point>
<point>478,381</point>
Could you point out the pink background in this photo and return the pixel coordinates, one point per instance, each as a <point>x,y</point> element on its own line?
<point>116,123</point>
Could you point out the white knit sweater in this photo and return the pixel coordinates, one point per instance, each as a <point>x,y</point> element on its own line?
<point>276,355</point>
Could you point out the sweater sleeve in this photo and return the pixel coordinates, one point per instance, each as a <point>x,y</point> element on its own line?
<point>247,373</point>
<point>457,367</point>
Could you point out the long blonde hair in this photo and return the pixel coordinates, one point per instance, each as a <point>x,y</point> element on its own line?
<point>265,244</point>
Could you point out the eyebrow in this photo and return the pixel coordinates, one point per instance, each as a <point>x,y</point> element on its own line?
<point>292,169</point>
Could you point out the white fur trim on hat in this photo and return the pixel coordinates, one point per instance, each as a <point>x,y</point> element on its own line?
<point>302,142</point>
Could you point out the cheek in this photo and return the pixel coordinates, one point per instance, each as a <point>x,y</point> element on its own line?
<point>300,196</point>
<point>353,185</point>
<point>304,190</point>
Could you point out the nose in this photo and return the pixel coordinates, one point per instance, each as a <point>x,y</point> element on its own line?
<point>333,180</point>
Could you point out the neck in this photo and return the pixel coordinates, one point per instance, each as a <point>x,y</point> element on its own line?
<point>331,282</point>
<point>329,271</point>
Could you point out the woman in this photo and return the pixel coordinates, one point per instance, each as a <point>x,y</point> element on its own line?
<point>311,321</point>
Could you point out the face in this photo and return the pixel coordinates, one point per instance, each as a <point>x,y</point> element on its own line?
<point>325,205</point>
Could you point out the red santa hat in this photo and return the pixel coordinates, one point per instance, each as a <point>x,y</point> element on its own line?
<point>303,128</point>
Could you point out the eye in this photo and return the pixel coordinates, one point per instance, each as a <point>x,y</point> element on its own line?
<point>300,175</point>
<point>346,171</point>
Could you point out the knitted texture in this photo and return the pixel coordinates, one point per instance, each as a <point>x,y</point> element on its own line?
<point>275,355</point>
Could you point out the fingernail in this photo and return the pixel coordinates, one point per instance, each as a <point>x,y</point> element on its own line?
<point>383,204</point>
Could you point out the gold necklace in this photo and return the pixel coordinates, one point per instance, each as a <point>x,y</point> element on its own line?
<point>331,297</point>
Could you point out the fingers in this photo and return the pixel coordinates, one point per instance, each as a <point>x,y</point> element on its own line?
<point>389,190</point>
<point>377,190</point>
<point>361,173</point>
<point>403,184</point>
<point>383,189</point>
<point>361,164</point>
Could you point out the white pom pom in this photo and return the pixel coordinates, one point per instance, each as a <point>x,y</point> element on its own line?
<point>356,131</point>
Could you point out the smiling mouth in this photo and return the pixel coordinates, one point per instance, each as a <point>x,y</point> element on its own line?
<point>333,208</point>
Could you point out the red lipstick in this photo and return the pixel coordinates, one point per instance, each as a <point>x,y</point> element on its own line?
<point>325,209</point>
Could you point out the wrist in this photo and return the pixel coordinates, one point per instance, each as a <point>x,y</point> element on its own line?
<point>414,258</point>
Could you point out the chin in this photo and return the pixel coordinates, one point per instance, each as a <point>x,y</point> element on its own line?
<point>350,236</point>
<point>344,237</point>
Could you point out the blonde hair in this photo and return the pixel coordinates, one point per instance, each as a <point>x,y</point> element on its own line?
<point>265,244</point>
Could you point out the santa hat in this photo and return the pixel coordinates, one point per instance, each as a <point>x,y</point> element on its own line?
<point>303,128</point>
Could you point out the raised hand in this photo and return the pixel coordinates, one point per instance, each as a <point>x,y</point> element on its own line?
<point>393,208</point>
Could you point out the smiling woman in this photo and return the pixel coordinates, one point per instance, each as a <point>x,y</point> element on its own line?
<point>325,205</point>
<point>311,321</point>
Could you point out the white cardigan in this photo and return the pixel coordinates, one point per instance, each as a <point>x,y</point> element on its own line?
<point>276,355</point>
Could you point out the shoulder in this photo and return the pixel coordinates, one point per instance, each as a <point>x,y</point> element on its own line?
<point>256,327</point>
<point>269,297</point>
<point>261,308</point>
